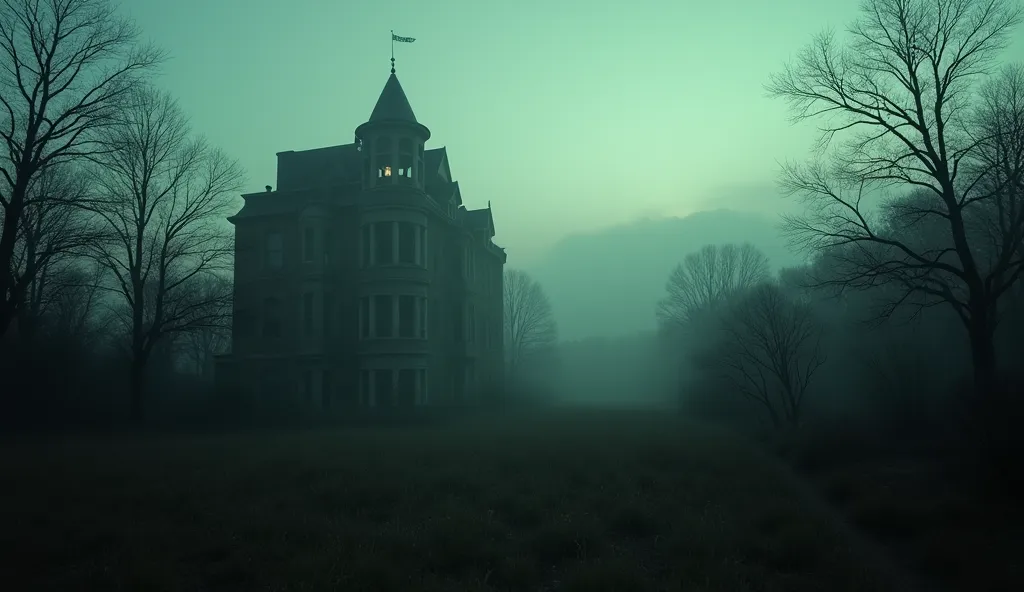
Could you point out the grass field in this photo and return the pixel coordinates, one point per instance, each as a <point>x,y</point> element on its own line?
<point>590,501</point>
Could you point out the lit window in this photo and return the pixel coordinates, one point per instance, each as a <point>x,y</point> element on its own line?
<point>387,171</point>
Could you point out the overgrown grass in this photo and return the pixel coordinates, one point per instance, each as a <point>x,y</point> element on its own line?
<point>926,501</point>
<point>560,501</point>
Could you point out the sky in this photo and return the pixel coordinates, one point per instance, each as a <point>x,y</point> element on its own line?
<point>568,116</point>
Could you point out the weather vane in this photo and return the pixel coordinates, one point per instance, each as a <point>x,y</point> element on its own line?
<point>396,38</point>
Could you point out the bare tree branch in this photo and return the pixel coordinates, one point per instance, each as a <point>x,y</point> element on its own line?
<point>896,107</point>
<point>771,351</point>
<point>709,277</point>
<point>529,322</point>
<point>66,67</point>
<point>162,196</point>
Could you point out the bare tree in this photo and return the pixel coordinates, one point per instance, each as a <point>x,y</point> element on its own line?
<point>65,69</point>
<point>898,96</point>
<point>530,327</point>
<point>201,343</point>
<point>707,277</point>
<point>162,195</point>
<point>770,351</point>
<point>52,232</point>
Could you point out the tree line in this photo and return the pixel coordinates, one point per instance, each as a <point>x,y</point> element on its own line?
<point>113,250</point>
<point>913,226</point>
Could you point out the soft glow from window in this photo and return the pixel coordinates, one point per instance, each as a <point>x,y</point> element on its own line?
<point>387,171</point>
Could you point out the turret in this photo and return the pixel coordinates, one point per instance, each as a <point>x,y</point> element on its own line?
<point>392,141</point>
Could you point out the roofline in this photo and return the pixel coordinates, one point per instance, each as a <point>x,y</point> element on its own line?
<point>423,130</point>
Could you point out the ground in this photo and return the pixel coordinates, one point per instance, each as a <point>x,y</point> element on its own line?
<point>567,500</point>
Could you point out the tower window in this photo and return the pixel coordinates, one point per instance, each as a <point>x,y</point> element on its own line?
<point>383,156</point>
<point>405,158</point>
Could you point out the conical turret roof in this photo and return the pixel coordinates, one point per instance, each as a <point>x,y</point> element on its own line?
<point>392,105</point>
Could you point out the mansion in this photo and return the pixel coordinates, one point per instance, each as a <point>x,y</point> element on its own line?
<point>363,279</point>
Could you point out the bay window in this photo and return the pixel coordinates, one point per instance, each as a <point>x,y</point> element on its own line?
<point>393,243</point>
<point>388,316</point>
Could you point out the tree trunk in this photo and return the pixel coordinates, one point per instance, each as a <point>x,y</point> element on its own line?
<point>9,298</point>
<point>983,355</point>
<point>136,388</point>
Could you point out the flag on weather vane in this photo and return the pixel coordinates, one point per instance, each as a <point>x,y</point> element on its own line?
<point>396,38</point>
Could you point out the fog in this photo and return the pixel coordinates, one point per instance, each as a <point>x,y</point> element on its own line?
<point>752,325</point>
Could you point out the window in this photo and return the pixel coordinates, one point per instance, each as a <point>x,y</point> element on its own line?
<point>271,317</point>
<point>365,245</point>
<point>364,318</point>
<point>383,317</point>
<point>408,239</point>
<point>275,251</point>
<point>387,316</point>
<point>384,250</point>
<point>383,157</point>
<point>307,245</point>
<point>328,246</point>
<point>405,159</point>
<point>407,316</point>
<point>458,323</point>
<point>328,313</point>
<point>406,387</point>
<point>388,243</point>
<point>422,302</point>
<point>307,313</point>
<point>423,246</point>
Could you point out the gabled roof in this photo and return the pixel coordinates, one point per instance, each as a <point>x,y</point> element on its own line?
<point>479,220</point>
<point>435,161</point>
<point>392,105</point>
<point>444,192</point>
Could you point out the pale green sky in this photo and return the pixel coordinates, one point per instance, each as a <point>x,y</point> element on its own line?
<point>569,115</point>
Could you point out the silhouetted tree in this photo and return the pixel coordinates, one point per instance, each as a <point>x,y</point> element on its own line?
<point>707,278</point>
<point>530,327</point>
<point>201,343</point>
<point>770,350</point>
<point>162,195</point>
<point>52,232</point>
<point>898,94</point>
<point>66,67</point>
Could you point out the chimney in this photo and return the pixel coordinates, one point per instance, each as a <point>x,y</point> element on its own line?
<point>269,188</point>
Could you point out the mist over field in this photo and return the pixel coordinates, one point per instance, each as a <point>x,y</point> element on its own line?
<point>658,296</point>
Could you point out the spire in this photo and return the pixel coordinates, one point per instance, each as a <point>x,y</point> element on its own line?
<point>393,104</point>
